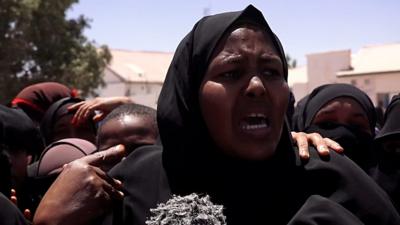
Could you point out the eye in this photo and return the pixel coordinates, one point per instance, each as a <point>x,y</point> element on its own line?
<point>271,74</point>
<point>230,75</point>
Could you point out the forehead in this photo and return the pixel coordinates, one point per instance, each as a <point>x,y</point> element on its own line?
<point>125,121</point>
<point>344,102</point>
<point>244,37</point>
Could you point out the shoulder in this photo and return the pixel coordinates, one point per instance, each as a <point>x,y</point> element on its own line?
<point>9,213</point>
<point>342,181</point>
<point>143,158</point>
<point>144,182</point>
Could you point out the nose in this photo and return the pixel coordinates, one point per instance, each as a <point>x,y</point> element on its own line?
<point>255,87</point>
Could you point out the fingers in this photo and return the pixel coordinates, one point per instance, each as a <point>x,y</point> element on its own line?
<point>28,214</point>
<point>319,143</point>
<point>13,196</point>
<point>105,160</point>
<point>333,145</point>
<point>81,112</point>
<point>75,106</point>
<point>302,143</point>
<point>110,185</point>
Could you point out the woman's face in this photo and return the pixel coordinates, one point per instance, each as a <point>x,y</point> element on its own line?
<point>244,95</point>
<point>344,110</point>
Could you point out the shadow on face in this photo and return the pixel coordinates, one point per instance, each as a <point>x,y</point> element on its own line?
<point>391,144</point>
<point>243,96</point>
<point>132,131</point>
<point>345,111</point>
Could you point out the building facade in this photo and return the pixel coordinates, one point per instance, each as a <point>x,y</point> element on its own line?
<point>373,69</point>
<point>136,74</point>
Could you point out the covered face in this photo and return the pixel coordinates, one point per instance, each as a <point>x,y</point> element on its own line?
<point>389,136</point>
<point>343,113</point>
<point>225,94</point>
<point>244,95</point>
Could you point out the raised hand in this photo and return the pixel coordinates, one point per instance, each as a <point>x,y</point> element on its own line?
<point>87,108</point>
<point>82,191</point>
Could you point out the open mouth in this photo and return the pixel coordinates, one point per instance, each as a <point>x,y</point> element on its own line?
<point>255,121</point>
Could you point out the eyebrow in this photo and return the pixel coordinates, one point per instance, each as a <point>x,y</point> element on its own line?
<point>236,59</point>
<point>232,59</point>
<point>270,58</point>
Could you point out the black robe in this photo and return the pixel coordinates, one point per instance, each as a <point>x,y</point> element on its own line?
<point>387,174</point>
<point>280,190</point>
<point>9,213</point>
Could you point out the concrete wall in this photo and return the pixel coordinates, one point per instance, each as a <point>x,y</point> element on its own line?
<point>141,93</point>
<point>145,93</point>
<point>375,84</point>
<point>322,67</point>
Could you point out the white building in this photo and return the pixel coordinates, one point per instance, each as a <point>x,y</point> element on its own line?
<point>373,69</point>
<point>137,74</point>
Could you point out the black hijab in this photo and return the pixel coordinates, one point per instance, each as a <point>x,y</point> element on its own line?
<point>17,131</point>
<point>387,174</point>
<point>391,119</point>
<point>256,192</point>
<point>189,145</point>
<point>309,106</point>
<point>358,145</point>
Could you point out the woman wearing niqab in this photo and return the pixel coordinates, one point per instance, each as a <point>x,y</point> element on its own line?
<point>255,187</point>
<point>387,173</point>
<point>358,144</point>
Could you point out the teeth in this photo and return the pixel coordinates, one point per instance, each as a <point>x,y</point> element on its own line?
<point>253,127</point>
<point>257,115</point>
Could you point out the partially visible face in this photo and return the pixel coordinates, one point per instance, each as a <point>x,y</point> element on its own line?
<point>129,130</point>
<point>391,144</point>
<point>346,111</point>
<point>244,96</point>
<point>63,128</point>
<point>19,160</point>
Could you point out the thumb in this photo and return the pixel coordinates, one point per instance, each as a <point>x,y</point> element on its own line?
<point>106,159</point>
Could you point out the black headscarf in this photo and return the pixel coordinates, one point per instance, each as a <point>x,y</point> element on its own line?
<point>358,145</point>
<point>391,119</point>
<point>189,145</point>
<point>309,106</point>
<point>387,174</point>
<point>18,135</point>
<point>252,192</point>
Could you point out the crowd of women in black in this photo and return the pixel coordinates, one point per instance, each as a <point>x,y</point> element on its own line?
<point>221,129</point>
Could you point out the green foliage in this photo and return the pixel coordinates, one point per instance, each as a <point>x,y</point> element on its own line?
<point>38,43</point>
<point>292,63</point>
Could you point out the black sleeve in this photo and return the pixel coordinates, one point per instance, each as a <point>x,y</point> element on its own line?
<point>9,213</point>
<point>145,185</point>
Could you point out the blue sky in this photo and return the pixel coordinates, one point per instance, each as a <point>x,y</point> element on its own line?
<point>306,26</point>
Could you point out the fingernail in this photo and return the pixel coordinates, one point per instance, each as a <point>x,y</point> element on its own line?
<point>118,182</point>
<point>121,193</point>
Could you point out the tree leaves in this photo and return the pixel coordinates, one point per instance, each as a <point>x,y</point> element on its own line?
<point>38,43</point>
